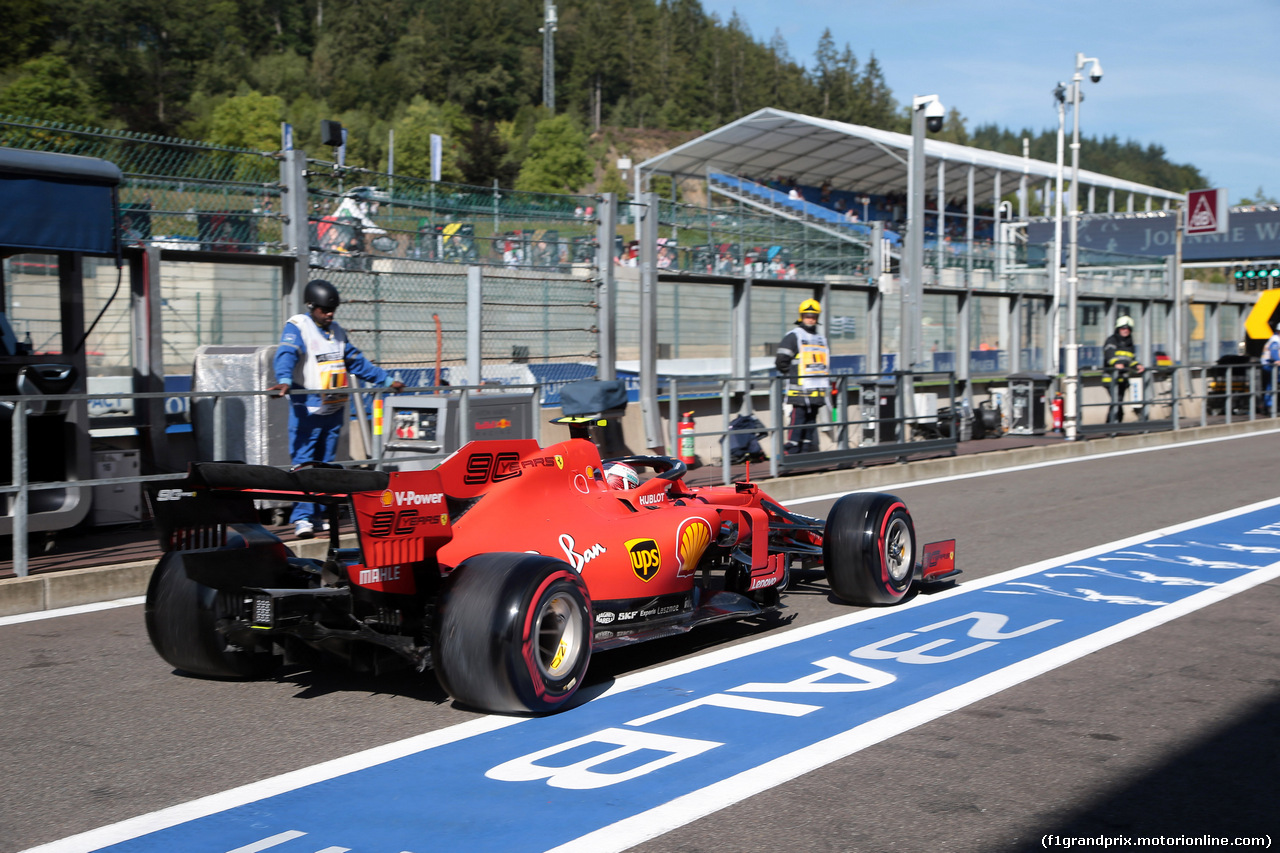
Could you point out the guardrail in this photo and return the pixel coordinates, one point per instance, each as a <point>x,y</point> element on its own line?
<point>887,424</point>
<point>1171,398</point>
<point>21,408</point>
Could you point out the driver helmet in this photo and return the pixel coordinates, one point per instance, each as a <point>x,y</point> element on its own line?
<point>620,475</point>
<point>321,294</point>
<point>1124,321</point>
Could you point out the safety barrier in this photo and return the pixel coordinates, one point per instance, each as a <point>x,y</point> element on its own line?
<point>1170,398</point>
<point>870,417</point>
<point>876,424</point>
<point>372,438</point>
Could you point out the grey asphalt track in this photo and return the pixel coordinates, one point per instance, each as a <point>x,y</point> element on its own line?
<point>1172,732</point>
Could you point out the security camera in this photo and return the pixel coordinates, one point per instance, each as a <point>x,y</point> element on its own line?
<point>933,115</point>
<point>1095,73</point>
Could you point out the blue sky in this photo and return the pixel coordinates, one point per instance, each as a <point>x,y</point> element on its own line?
<point>1200,78</point>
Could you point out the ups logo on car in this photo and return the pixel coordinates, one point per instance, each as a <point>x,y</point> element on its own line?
<point>645,558</point>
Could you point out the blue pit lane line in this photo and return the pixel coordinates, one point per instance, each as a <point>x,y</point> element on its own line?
<point>662,748</point>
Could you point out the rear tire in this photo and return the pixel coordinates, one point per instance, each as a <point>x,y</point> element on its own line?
<point>182,621</point>
<point>869,549</point>
<point>513,633</point>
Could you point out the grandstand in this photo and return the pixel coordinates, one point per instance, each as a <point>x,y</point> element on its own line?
<point>763,155</point>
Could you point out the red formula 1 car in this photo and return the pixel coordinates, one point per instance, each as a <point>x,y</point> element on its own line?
<point>504,568</point>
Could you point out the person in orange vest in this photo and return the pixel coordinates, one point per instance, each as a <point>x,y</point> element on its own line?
<point>804,357</point>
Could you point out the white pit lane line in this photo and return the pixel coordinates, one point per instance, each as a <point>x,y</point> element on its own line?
<point>1032,466</point>
<point>684,809</point>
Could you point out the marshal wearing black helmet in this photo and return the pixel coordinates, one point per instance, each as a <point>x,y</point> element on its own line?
<point>314,354</point>
<point>321,294</point>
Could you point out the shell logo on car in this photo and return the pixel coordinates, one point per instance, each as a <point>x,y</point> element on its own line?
<point>646,559</point>
<point>692,538</point>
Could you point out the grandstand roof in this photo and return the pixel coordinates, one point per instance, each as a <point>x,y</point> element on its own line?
<point>772,142</point>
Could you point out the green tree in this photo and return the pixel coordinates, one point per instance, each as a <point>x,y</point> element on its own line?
<point>413,139</point>
<point>248,121</point>
<point>613,183</point>
<point>484,156</point>
<point>49,88</point>
<point>28,30</point>
<point>557,160</point>
<point>1259,197</point>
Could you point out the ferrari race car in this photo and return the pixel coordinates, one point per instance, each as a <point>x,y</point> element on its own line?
<point>503,569</point>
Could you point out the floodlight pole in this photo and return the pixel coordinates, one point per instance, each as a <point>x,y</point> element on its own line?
<point>913,281</point>
<point>1055,321</point>
<point>548,30</point>
<point>1072,383</point>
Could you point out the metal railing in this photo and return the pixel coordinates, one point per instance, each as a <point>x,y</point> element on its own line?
<point>868,416</point>
<point>1171,398</point>
<point>373,439</point>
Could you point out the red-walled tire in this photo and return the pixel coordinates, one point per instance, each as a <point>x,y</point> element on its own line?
<point>869,549</point>
<point>513,633</point>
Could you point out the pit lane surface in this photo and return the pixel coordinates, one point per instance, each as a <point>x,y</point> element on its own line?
<point>1169,732</point>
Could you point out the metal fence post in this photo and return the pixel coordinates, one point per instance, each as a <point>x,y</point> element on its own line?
<point>775,409</point>
<point>21,497</point>
<point>673,413</point>
<point>475,327</point>
<point>606,288</point>
<point>740,341</point>
<point>648,267</point>
<point>297,231</point>
<point>725,440</point>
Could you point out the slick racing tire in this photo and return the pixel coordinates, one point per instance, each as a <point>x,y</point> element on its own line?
<point>182,621</point>
<point>869,549</point>
<point>513,633</point>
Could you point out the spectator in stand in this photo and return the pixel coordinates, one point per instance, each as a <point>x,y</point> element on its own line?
<point>795,195</point>
<point>825,193</point>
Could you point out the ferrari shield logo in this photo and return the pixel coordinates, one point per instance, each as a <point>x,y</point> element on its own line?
<point>560,462</point>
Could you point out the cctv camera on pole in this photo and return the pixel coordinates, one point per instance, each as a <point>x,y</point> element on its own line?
<point>926,112</point>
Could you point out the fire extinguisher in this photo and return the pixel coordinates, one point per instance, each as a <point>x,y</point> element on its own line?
<point>685,431</point>
<point>1056,409</point>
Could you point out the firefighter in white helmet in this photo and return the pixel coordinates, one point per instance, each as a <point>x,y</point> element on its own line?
<point>1119,362</point>
<point>805,359</point>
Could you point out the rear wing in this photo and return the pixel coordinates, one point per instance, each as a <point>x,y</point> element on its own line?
<point>196,511</point>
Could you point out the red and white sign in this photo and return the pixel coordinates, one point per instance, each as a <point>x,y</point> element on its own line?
<point>1207,212</point>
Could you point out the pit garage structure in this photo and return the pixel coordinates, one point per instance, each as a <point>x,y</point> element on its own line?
<point>64,205</point>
